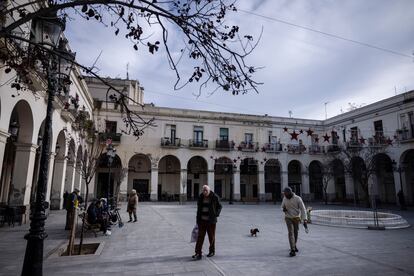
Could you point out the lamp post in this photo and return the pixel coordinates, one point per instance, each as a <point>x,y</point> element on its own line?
<point>57,62</point>
<point>110,152</point>
<point>226,170</point>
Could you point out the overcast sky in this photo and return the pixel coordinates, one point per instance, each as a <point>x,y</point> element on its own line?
<point>301,69</point>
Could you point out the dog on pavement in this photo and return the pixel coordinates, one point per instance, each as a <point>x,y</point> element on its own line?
<point>254,231</point>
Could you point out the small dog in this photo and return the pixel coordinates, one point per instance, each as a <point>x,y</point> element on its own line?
<point>253,232</point>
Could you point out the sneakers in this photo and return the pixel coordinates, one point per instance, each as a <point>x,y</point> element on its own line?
<point>196,257</point>
<point>107,233</point>
<point>211,254</point>
<point>129,220</point>
<point>292,253</point>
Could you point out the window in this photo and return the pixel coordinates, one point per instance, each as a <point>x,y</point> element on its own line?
<point>110,127</point>
<point>248,138</point>
<point>335,138</point>
<point>172,133</point>
<point>224,134</point>
<point>379,132</point>
<point>198,134</point>
<point>411,123</point>
<point>354,135</point>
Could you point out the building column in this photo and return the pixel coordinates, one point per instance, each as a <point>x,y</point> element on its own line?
<point>77,179</point>
<point>70,170</point>
<point>123,188</point>
<point>3,141</point>
<point>23,174</point>
<point>236,184</point>
<point>398,185</point>
<point>305,190</point>
<point>210,179</point>
<point>285,180</point>
<point>58,184</point>
<point>349,187</point>
<point>154,183</point>
<point>183,185</point>
<point>50,176</point>
<point>261,181</point>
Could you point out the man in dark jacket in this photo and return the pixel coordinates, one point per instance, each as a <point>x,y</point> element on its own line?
<point>208,209</point>
<point>95,216</point>
<point>71,203</point>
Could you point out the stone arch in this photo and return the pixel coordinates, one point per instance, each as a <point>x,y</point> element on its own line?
<point>139,175</point>
<point>197,168</point>
<point>358,169</point>
<point>59,172</point>
<point>316,180</point>
<point>385,188</point>
<point>249,179</point>
<point>23,116</point>
<point>223,177</point>
<point>295,176</point>
<point>273,180</point>
<point>70,166</point>
<point>107,175</point>
<point>407,175</point>
<point>169,176</point>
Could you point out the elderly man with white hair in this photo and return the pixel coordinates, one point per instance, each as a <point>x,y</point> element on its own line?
<point>208,209</point>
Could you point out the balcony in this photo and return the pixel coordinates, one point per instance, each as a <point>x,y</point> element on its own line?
<point>354,144</point>
<point>167,142</point>
<point>378,142</point>
<point>296,148</point>
<point>316,149</point>
<point>115,137</point>
<point>248,146</point>
<point>198,144</point>
<point>272,147</point>
<point>405,135</point>
<point>224,145</point>
<point>332,148</point>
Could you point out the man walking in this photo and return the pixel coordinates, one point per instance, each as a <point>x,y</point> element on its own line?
<point>294,209</point>
<point>208,209</point>
<point>72,202</point>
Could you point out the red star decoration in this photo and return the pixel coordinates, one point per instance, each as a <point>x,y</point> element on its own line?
<point>362,140</point>
<point>285,129</point>
<point>301,131</point>
<point>294,135</point>
<point>326,137</point>
<point>389,141</point>
<point>309,132</point>
<point>317,139</point>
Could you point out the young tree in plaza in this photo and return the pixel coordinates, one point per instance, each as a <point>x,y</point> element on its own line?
<point>327,175</point>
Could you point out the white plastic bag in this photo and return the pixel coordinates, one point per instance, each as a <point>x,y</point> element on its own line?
<point>194,234</point>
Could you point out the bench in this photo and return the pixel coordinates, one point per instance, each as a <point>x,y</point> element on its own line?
<point>88,227</point>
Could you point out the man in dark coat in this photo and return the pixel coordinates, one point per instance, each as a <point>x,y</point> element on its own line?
<point>72,202</point>
<point>208,209</point>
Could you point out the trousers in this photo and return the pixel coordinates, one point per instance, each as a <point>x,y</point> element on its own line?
<point>293,228</point>
<point>210,228</point>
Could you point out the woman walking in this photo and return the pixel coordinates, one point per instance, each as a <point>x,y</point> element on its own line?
<point>132,205</point>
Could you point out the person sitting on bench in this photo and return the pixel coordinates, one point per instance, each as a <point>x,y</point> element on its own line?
<point>95,216</point>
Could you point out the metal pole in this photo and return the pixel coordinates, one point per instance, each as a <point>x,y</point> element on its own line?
<point>33,259</point>
<point>109,182</point>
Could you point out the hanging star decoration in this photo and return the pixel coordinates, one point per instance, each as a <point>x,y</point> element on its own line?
<point>285,129</point>
<point>301,131</point>
<point>294,135</point>
<point>316,139</point>
<point>309,132</point>
<point>389,141</point>
<point>362,140</point>
<point>326,137</point>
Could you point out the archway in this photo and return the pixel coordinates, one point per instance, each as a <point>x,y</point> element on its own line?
<point>59,172</point>
<point>359,176</point>
<point>223,177</point>
<point>106,176</point>
<point>17,169</point>
<point>248,179</point>
<point>273,187</point>
<point>385,179</point>
<point>196,177</point>
<point>295,176</point>
<point>70,167</point>
<point>169,172</point>
<point>139,176</point>
<point>316,180</point>
<point>339,180</point>
<point>407,167</point>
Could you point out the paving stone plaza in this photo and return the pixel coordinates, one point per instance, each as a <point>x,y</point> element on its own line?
<point>159,245</point>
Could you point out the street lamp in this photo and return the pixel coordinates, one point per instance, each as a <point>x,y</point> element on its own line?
<point>56,62</point>
<point>226,170</point>
<point>14,129</point>
<point>110,152</point>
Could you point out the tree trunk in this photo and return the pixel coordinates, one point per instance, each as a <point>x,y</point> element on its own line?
<point>83,218</point>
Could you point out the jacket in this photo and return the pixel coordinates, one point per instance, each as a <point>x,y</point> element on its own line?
<point>294,207</point>
<point>214,210</point>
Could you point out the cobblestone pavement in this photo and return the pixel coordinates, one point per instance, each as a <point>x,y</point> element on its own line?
<point>159,245</point>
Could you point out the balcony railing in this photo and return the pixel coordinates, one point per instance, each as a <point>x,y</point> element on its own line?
<point>315,149</point>
<point>167,142</point>
<point>248,146</point>
<point>272,147</point>
<point>115,137</point>
<point>296,149</point>
<point>333,148</point>
<point>224,145</point>
<point>198,144</point>
<point>377,141</point>
<point>405,135</point>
